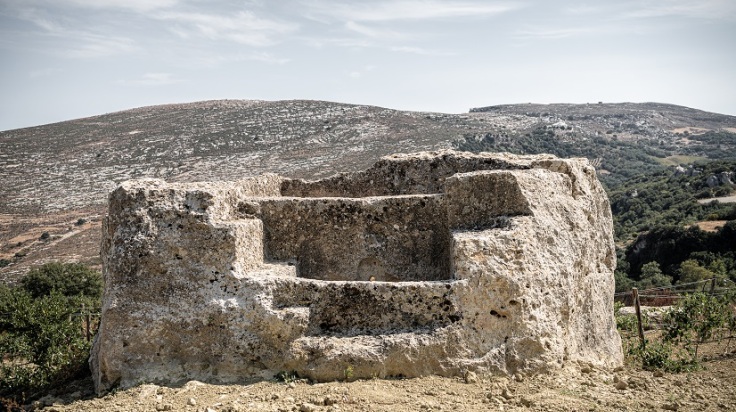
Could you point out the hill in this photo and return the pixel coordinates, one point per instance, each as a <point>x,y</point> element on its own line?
<point>56,177</point>
<point>623,140</point>
<point>74,164</point>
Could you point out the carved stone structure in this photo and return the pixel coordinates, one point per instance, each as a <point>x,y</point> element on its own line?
<point>429,263</point>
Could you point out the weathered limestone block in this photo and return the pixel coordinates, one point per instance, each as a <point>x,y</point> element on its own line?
<point>429,263</point>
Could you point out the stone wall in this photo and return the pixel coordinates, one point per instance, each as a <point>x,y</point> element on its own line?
<point>430,263</point>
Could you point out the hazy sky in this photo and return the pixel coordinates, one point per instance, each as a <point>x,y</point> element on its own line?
<point>64,59</point>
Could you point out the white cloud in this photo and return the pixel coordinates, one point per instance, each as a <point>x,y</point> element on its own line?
<point>81,43</point>
<point>629,17</point>
<point>702,9</point>
<point>33,74</point>
<point>553,33</point>
<point>586,8</point>
<point>210,60</point>
<point>339,42</point>
<point>705,9</point>
<point>408,9</point>
<point>94,45</point>
<point>420,51</point>
<point>153,79</point>
<point>267,58</point>
<point>134,5</point>
<point>373,32</point>
<point>357,74</point>
<point>137,5</point>
<point>243,27</point>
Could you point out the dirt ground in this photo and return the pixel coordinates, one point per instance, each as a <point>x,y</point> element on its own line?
<point>69,239</point>
<point>725,199</point>
<point>711,225</point>
<point>573,388</point>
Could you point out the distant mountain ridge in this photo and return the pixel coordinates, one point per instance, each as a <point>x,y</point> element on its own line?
<point>74,164</point>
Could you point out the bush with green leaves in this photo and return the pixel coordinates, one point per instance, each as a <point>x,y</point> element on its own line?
<point>69,279</point>
<point>624,322</point>
<point>652,277</point>
<point>41,328</point>
<point>695,320</point>
<point>699,318</point>
<point>703,254</point>
<point>656,355</point>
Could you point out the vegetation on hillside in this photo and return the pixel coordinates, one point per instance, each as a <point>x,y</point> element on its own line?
<point>41,328</point>
<point>621,160</point>
<point>654,216</point>
<point>665,197</point>
<point>675,255</point>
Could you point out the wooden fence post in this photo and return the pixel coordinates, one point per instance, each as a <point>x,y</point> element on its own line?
<point>637,307</point>
<point>712,286</point>
<point>87,322</point>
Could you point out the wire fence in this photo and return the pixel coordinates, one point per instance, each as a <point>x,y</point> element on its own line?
<point>669,295</point>
<point>653,306</point>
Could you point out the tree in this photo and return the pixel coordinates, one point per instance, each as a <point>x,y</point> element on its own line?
<point>68,279</point>
<point>623,282</point>
<point>40,340</point>
<point>691,271</point>
<point>652,276</point>
<point>40,343</point>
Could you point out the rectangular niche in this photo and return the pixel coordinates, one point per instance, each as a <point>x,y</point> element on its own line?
<point>392,238</point>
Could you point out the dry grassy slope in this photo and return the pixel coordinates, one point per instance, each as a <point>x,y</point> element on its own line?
<point>75,164</point>
<point>50,171</point>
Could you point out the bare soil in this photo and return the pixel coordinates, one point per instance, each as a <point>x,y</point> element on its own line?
<point>690,130</point>
<point>24,245</point>
<point>574,388</point>
<point>711,225</point>
<point>725,199</point>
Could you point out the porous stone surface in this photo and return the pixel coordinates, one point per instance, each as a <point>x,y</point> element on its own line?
<point>430,263</point>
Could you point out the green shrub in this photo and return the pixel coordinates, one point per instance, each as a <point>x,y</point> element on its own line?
<point>656,355</point>
<point>652,276</point>
<point>69,279</point>
<point>624,323</point>
<point>698,318</point>
<point>41,340</point>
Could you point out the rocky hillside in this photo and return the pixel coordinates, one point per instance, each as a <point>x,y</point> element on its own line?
<point>56,177</point>
<point>74,164</point>
<point>629,120</point>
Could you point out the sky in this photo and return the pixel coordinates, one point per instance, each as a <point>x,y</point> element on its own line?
<point>66,59</point>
